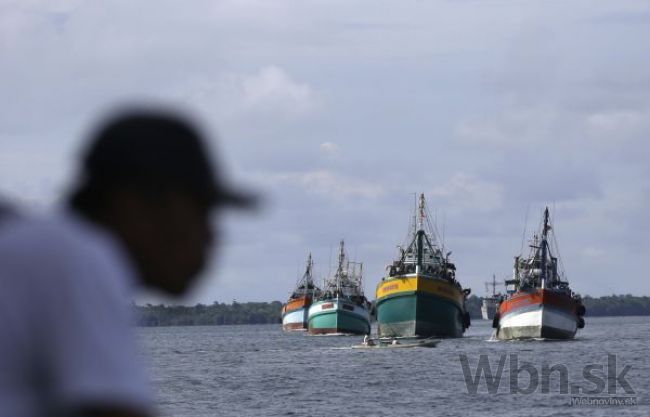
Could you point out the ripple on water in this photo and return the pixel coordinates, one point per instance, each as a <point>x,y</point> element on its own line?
<point>259,371</point>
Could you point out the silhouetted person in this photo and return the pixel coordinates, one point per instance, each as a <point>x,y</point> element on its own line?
<point>139,215</point>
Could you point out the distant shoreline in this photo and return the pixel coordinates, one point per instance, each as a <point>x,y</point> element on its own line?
<point>606,306</point>
<point>217,314</point>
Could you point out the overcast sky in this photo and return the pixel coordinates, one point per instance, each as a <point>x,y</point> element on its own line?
<point>338,111</point>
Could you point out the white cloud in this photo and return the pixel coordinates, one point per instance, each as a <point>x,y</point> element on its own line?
<point>272,86</point>
<point>329,148</point>
<point>466,191</point>
<point>619,123</point>
<point>328,184</point>
<point>353,107</point>
<point>510,126</point>
<point>268,92</point>
<point>594,254</point>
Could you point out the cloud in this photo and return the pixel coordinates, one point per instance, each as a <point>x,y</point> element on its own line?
<point>339,111</point>
<point>329,148</point>
<point>466,191</point>
<point>514,126</point>
<point>327,184</point>
<point>272,87</point>
<point>594,254</point>
<point>619,124</point>
<point>269,92</point>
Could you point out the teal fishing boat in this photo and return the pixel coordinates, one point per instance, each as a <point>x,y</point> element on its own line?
<point>343,307</point>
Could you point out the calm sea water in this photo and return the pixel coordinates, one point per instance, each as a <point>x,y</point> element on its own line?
<point>259,370</point>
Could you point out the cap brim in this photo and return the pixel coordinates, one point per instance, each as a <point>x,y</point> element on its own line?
<point>227,197</point>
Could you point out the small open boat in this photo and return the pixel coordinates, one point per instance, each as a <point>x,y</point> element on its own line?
<point>395,343</point>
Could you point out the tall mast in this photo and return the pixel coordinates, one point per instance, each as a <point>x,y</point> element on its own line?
<point>544,247</point>
<point>494,285</point>
<point>421,213</point>
<point>420,234</point>
<point>308,271</point>
<point>361,276</point>
<point>339,271</point>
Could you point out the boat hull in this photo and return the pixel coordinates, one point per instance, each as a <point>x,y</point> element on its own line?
<point>338,316</point>
<point>538,314</point>
<point>419,307</point>
<point>295,321</point>
<point>295,314</point>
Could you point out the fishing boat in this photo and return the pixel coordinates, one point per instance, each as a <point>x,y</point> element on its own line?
<point>343,307</point>
<point>491,302</point>
<point>539,302</point>
<point>295,311</point>
<point>420,296</point>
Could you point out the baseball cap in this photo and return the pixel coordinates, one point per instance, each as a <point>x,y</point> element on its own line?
<point>158,149</point>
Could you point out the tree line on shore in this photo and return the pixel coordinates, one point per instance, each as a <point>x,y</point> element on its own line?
<point>270,312</point>
<point>209,315</point>
<point>610,305</point>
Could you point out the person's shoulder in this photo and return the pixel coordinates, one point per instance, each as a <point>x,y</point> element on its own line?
<point>39,235</point>
<point>66,255</point>
<point>57,241</point>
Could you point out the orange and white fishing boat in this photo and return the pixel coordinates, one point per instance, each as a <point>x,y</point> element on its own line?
<point>295,311</point>
<point>539,302</point>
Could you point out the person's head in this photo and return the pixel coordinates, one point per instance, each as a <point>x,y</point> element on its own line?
<point>147,177</point>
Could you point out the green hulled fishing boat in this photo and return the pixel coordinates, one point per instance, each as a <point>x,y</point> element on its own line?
<point>342,308</point>
<point>420,296</point>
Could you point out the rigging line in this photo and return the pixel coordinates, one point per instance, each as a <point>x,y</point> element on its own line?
<point>444,225</point>
<point>430,226</point>
<point>415,213</point>
<point>329,270</point>
<point>436,231</point>
<point>534,251</point>
<point>523,235</point>
<point>298,273</point>
<point>559,258</point>
<point>437,240</point>
<point>435,223</point>
<point>412,224</point>
<point>557,248</point>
